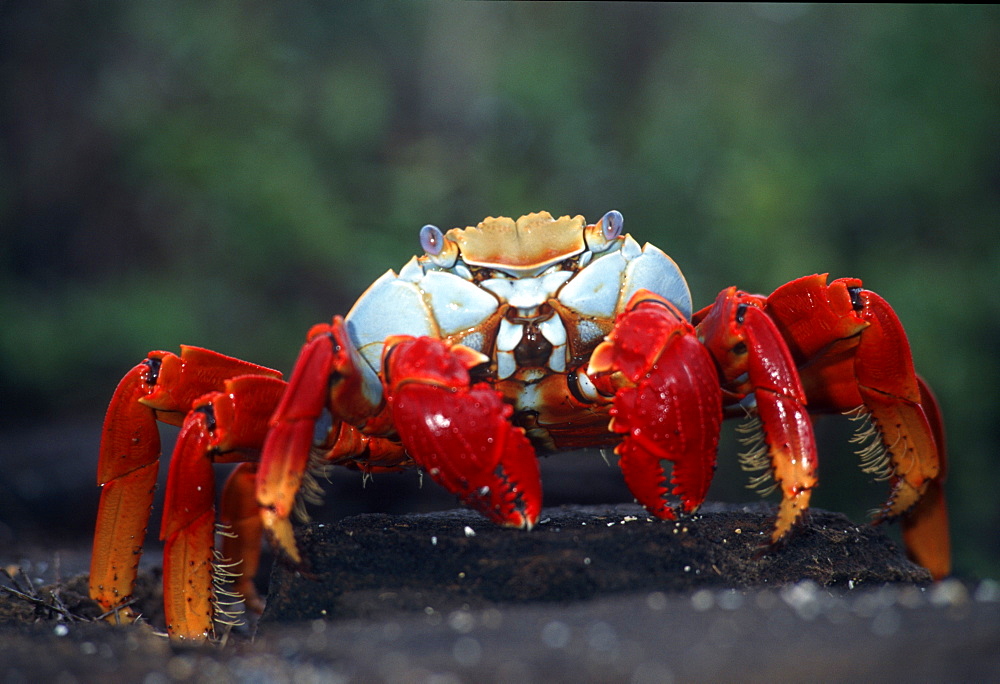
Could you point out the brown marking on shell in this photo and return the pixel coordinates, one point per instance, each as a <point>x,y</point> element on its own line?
<point>530,244</point>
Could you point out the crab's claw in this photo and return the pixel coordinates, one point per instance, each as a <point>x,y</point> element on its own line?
<point>461,433</point>
<point>668,407</point>
<point>758,374</point>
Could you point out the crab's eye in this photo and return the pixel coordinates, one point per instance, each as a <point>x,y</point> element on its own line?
<point>431,239</point>
<point>611,224</point>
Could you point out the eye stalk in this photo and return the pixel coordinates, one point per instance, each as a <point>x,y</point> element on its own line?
<point>611,224</point>
<point>602,235</point>
<point>431,239</point>
<point>441,251</point>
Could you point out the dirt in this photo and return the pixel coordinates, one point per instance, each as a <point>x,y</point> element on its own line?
<point>593,593</point>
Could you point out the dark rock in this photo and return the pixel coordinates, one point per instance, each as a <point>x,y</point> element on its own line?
<point>371,565</point>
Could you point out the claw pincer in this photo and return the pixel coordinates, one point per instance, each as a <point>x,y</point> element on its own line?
<point>669,408</point>
<point>460,433</point>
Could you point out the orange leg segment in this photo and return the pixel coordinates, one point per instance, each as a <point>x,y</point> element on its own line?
<point>889,388</point>
<point>925,526</point>
<point>127,471</point>
<point>288,443</point>
<point>188,530</point>
<point>753,359</point>
<point>785,424</point>
<point>239,516</point>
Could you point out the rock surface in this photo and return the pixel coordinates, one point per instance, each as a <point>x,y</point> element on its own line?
<point>368,565</point>
<point>448,597</point>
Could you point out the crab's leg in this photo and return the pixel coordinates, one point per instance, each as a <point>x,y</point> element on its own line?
<point>162,387</point>
<point>925,526</point>
<point>188,529</point>
<point>669,407</point>
<point>242,529</point>
<point>888,385</point>
<point>327,374</point>
<point>127,471</point>
<point>460,433</point>
<point>227,425</point>
<point>896,400</point>
<point>754,359</point>
<point>855,354</point>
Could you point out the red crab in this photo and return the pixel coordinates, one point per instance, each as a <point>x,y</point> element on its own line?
<point>500,341</point>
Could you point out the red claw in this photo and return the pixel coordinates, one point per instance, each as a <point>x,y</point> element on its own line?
<point>670,408</point>
<point>462,435</point>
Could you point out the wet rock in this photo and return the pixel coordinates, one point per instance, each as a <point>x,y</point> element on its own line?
<point>371,565</point>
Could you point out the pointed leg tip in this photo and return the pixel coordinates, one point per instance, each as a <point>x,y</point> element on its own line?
<point>791,512</point>
<point>281,535</point>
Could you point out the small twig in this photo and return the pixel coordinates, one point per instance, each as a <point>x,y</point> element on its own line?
<point>54,605</point>
<point>12,577</point>
<point>114,611</point>
<point>24,589</point>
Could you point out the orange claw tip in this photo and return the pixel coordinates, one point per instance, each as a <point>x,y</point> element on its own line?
<point>790,512</point>
<point>926,534</point>
<point>279,531</point>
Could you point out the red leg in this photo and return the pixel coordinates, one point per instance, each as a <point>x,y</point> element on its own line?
<point>461,434</point>
<point>127,471</point>
<point>754,359</point>
<point>327,374</point>
<point>925,526</point>
<point>226,426</point>
<point>239,517</point>
<point>888,385</point>
<point>854,356</point>
<point>670,407</point>
<point>188,530</point>
<point>162,386</point>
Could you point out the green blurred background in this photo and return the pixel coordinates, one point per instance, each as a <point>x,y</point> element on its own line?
<point>227,174</point>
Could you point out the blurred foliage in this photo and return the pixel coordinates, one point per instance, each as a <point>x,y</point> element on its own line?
<point>228,173</point>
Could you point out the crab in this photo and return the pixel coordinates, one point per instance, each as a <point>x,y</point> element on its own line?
<point>500,342</point>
